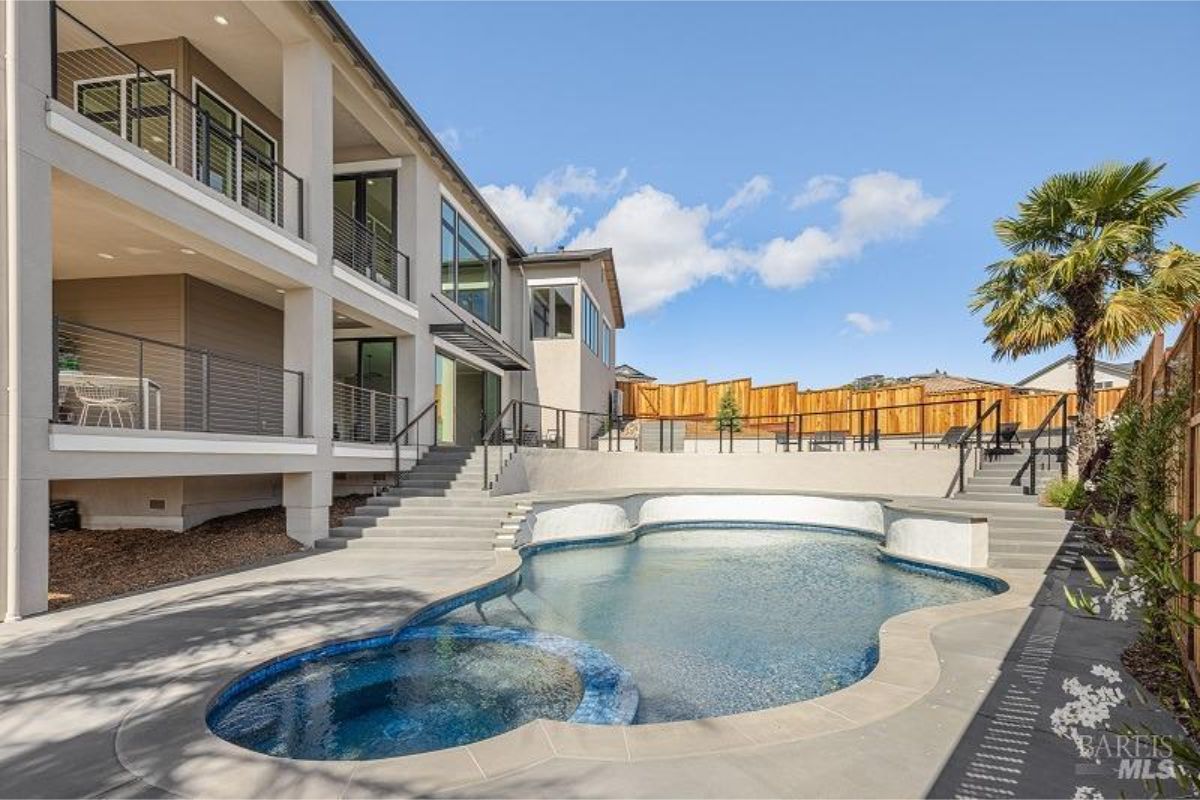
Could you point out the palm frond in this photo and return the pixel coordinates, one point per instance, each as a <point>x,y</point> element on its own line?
<point>1130,314</point>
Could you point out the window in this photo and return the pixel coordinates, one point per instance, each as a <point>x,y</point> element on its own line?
<point>605,343</point>
<point>1103,385</point>
<point>591,324</point>
<point>234,156</point>
<point>470,269</point>
<point>551,312</point>
<point>137,109</point>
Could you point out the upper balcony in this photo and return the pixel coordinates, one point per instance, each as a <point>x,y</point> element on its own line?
<point>135,71</point>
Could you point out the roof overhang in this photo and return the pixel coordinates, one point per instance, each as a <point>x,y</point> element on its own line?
<point>470,338</point>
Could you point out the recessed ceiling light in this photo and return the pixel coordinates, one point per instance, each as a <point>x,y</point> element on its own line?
<point>220,20</point>
<point>106,256</point>
<point>341,316</point>
<point>280,291</point>
<point>187,251</point>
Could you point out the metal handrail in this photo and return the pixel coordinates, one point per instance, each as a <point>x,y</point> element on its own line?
<point>1060,405</point>
<point>403,433</point>
<point>491,432</point>
<point>977,430</point>
<point>363,238</point>
<point>142,72</point>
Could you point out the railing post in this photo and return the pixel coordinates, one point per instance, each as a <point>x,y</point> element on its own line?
<point>862,430</point>
<point>374,419</point>
<point>205,390</point>
<point>660,434</point>
<point>799,433</point>
<point>54,65</point>
<point>1064,439</point>
<point>979,422</point>
<point>875,425</point>
<point>142,390</point>
<point>787,435</point>
<point>55,349</point>
<point>962,467</point>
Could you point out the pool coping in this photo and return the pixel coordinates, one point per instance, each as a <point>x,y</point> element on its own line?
<point>165,740</point>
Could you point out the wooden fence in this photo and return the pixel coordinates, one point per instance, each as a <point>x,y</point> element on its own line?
<point>930,413</point>
<point>1156,374</point>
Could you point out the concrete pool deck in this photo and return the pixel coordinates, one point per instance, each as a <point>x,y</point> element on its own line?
<point>109,699</point>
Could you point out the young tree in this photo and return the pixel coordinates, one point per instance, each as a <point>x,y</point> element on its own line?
<point>1087,267</point>
<point>728,413</point>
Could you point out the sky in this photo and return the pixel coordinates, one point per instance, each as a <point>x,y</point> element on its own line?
<point>793,191</point>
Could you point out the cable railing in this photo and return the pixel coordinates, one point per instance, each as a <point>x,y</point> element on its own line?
<point>203,137</point>
<point>370,254</point>
<point>104,378</point>
<point>367,416</point>
<point>1059,409</point>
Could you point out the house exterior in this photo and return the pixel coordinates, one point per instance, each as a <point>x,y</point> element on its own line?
<point>237,265</point>
<point>1059,376</point>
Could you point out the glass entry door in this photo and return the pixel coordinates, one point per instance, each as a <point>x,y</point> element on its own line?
<point>444,392</point>
<point>365,230</point>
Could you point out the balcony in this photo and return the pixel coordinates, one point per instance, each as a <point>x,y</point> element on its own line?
<point>207,139</point>
<point>103,378</point>
<point>367,416</point>
<point>369,254</point>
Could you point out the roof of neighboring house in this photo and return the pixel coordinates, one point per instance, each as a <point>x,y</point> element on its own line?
<point>629,374</point>
<point>944,382</point>
<point>342,31</point>
<point>604,254</point>
<point>1124,368</point>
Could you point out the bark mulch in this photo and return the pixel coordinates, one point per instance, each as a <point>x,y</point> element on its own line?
<point>88,565</point>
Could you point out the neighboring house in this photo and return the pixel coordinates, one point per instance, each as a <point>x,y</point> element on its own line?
<point>237,264</point>
<point>1059,376</point>
<point>574,314</point>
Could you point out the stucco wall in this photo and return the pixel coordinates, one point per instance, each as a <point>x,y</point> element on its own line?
<point>926,473</point>
<point>1062,378</point>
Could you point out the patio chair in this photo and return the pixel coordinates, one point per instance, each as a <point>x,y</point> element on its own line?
<point>1009,435</point>
<point>950,438</point>
<point>782,438</point>
<point>823,441</point>
<point>107,400</point>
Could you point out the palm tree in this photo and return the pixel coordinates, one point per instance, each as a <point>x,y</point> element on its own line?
<point>1087,267</point>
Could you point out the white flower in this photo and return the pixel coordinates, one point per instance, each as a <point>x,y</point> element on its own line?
<point>1087,793</point>
<point>1091,707</point>
<point>1108,673</point>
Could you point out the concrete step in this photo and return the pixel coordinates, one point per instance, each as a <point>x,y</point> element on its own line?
<point>981,497</point>
<point>414,531</point>
<point>407,543</point>
<point>462,516</point>
<point>1029,548</point>
<point>478,500</point>
<point>1036,561</point>
<point>993,488</point>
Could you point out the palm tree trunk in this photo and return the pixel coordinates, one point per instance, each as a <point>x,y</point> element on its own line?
<point>1085,395</point>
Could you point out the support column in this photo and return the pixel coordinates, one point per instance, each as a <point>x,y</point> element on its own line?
<point>306,498</point>
<point>308,138</point>
<point>25,357</point>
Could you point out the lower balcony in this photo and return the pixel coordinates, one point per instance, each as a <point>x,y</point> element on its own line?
<point>367,416</point>
<point>107,379</point>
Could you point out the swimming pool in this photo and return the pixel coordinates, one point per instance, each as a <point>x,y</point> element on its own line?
<point>705,621</point>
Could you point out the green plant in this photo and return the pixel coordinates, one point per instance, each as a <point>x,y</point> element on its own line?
<point>729,415</point>
<point>1144,456</point>
<point>1086,267</point>
<point>1064,493</point>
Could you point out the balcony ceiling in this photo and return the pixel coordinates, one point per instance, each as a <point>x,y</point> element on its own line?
<point>95,235</point>
<point>245,48</point>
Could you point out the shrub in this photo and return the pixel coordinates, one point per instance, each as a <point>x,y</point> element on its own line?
<point>1064,493</point>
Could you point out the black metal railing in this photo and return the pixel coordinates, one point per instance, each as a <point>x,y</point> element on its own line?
<point>141,105</point>
<point>410,435</point>
<point>105,378</point>
<point>370,254</point>
<point>366,415</point>
<point>976,431</point>
<point>1059,409</point>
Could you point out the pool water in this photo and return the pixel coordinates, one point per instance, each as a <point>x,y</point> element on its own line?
<point>720,621</point>
<point>400,698</point>
<point>678,624</point>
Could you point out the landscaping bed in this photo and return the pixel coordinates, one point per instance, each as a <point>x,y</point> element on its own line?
<point>88,565</point>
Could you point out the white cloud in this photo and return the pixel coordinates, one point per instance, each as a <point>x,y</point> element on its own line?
<point>450,138</point>
<point>877,206</point>
<point>866,324</point>
<point>662,248</point>
<point>539,218</point>
<point>751,193</point>
<point>818,189</point>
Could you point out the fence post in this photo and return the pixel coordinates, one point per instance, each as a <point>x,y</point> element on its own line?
<point>1064,442</point>
<point>979,422</point>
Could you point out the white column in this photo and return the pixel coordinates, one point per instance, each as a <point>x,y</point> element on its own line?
<point>308,137</point>
<point>308,348</point>
<point>25,358</point>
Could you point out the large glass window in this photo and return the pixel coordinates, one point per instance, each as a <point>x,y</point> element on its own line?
<point>234,156</point>
<point>605,343</point>
<point>552,312</point>
<point>136,109</point>
<point>470,269</point>
<point>591,324</point>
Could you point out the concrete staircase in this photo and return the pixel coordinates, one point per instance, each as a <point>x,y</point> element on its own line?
<point>1022,533</point>
<point>441,505</point>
